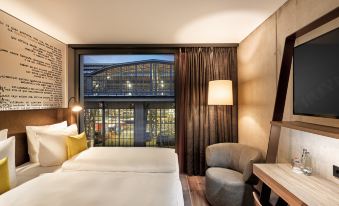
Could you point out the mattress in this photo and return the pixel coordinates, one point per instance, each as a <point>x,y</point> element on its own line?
<point>97,188</point>
<point>125,159</point>
<point>32,170</point>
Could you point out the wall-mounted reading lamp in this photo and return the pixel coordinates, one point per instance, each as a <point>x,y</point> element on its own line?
<point>76,107</point>
<point>220,92</point>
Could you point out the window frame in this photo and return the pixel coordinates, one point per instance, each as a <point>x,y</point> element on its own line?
<point>77,51</point>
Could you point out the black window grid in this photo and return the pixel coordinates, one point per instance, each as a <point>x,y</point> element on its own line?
<point>160,127</point>
<point>112,124</point>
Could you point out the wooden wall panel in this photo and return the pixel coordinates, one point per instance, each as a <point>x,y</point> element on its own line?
<point>16,122</point>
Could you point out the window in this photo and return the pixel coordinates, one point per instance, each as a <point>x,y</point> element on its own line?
<point>160,125</point>
<point>129,99</point>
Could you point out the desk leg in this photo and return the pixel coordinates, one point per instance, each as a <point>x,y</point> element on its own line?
<point>265,195</point>
<point>281,202</point>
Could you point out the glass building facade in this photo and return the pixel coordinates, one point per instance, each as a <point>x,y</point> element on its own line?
<point>143,78</point>
<point>130,104</point>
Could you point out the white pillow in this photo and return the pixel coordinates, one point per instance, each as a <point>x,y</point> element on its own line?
<point>7,149</point>
<point>3,134</point>
<point>33,144</point>
<point>52,146</point>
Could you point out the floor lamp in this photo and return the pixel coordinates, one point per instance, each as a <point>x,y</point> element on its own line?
<point>220,92</point>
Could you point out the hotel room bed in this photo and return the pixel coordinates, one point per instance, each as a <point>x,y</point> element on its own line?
<point>97,176</point>
<point>125,159</point>
<point>97,188</point>
<point>103,176</point>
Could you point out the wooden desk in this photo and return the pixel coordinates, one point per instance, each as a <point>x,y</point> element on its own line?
<point>297,189</point>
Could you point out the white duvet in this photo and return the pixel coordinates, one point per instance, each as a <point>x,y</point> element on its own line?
<point>97,189</point>
<point>124,159</point>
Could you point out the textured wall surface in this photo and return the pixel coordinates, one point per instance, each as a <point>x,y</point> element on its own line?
<point>259,57</point>
<point>257,84</point>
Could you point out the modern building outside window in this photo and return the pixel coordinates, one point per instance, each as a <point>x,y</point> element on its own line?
<point>129,100</point>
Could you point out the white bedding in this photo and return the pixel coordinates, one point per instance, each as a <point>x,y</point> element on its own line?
<point>98,188</point>
<point>124,159</point>
<point>31,170</point>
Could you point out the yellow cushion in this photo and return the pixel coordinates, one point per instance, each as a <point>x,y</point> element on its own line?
<point>76,144</point>
<point>4,176</point>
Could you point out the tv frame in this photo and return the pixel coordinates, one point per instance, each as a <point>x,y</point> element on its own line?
<point>307,114</point>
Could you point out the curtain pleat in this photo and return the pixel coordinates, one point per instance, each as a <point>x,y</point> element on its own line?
<point>200,125</point>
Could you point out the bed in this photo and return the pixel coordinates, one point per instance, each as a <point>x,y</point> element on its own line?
<point>102,176</point>
<point>154,164</point>
<point>97,188</point>
<point>97,176</point>
<point>125,159</point>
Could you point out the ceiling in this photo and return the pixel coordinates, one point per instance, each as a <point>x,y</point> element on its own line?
<point>143,21</point>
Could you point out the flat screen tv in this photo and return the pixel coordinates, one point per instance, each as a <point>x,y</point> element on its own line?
<point>316,76</point>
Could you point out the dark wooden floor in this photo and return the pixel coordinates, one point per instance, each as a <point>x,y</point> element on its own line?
<point>194,190</point>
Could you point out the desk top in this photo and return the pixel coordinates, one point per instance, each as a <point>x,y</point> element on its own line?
<point>297,189</point>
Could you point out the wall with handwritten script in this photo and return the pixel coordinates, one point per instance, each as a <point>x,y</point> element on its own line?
<point>32,67</point>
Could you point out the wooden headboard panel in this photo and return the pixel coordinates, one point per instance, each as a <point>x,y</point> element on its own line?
<point>16,122</point>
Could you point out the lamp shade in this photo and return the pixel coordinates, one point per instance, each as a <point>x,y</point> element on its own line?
<point>220,92</point>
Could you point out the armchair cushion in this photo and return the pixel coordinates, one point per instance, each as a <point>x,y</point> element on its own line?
<point>221,181</point>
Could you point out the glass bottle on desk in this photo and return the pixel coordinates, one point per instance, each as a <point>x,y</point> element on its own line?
<point>307,164</point>
<point>302,158</point>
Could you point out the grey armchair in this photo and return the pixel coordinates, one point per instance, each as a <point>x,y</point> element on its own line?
<point>229,178</point>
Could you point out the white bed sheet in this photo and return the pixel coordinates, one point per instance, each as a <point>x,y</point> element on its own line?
<point>99,189</point>
<point>31,170</point>
<point>125,159</point>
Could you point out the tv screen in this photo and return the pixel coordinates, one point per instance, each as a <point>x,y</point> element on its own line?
<point>316,76</point>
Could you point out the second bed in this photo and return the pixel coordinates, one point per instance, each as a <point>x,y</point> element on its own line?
<point>106,176</point>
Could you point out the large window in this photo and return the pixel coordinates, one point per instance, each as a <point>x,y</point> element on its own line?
<point>129,99</point>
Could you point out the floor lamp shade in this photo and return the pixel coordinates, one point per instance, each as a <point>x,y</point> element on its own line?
<point>220,92</point>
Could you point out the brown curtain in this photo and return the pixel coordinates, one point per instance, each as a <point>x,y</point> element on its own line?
<point>200,125</point>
